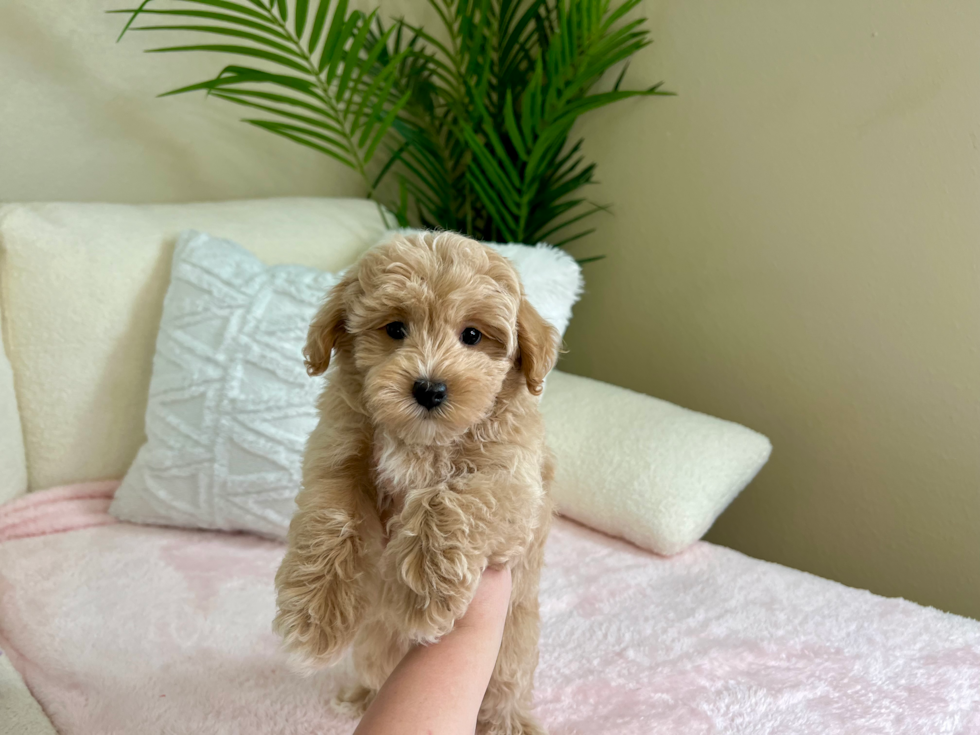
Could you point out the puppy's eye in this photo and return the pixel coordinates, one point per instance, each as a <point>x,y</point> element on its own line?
<point>470,336</point>
<point>397,330</point>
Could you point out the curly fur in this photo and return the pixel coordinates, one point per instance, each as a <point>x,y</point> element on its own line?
<point>402,508</point>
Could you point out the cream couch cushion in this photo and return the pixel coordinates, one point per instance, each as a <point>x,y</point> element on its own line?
<point>641,468</point>
<point>13,467</point>
<point>81,293</point>
<point>19,712</point>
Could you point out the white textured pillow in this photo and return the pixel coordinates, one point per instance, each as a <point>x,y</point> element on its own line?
<point>644,469</point>
<point>230,404</point>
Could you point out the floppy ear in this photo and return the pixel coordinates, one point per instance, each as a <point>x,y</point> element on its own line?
<point>325,329</point>
<point>537,346</point>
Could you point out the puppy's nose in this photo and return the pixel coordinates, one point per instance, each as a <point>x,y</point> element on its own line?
<point>429,394</point>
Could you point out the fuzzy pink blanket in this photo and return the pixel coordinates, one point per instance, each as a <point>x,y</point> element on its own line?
<point>127,629</point>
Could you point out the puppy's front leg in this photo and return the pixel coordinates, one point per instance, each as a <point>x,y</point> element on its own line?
<point>434,560</point>
<point>320,584</point>
<point>446,536</point>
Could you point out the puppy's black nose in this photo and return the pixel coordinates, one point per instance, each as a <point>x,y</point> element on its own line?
<point>429,394</point>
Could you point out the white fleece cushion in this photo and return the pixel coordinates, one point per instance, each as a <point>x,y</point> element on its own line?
<point>81,290</point>
<point>230,403</point>
<point>13,466</point>
<point>20,713</point>
<point>644,469</point>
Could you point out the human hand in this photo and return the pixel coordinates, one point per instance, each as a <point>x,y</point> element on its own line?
<point>438,688</point>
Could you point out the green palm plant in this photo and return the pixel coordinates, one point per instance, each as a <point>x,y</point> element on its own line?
<point>488,130</point>
<point>475,120</point>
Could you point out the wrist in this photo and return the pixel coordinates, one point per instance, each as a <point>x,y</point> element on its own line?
<point>489,605</point>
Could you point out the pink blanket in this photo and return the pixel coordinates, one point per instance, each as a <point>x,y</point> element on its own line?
<point>128,629</point>
<point>58,509</point>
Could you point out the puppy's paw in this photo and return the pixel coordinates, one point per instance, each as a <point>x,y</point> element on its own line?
<point>432,570</point>
<point>353,701</point>
<point>320,604</point>
<point>428,606</point>
<point>311,644</point>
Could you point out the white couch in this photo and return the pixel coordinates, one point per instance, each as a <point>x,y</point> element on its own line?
<point>726,641</point>
<point>79,345</point>
<point>81,291</point>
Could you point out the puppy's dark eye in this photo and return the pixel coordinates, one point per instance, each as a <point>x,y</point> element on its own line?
<point>396,330</point>
<point>470,336</point>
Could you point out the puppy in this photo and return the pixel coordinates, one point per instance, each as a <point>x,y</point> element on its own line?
<point>428,465</point>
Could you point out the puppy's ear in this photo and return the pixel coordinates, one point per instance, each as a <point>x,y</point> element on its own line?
<point>325,329</point>
<point>537,346</point>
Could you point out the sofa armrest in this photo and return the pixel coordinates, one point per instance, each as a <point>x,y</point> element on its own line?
<point>19,711</point>
<point>641,468</point>
<point>13,464</point>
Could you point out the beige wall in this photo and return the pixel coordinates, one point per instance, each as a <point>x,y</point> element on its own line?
<point>79,118</point>
<point>795,247</point>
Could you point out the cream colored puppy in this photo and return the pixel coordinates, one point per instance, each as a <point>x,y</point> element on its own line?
<point>428,465</point>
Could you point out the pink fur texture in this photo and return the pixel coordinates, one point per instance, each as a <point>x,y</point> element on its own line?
<point>58,509</point>
<point>125,629</point>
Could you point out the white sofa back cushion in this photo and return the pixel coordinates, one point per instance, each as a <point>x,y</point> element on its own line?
<point>13,466</point>
<point>81,294</point>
